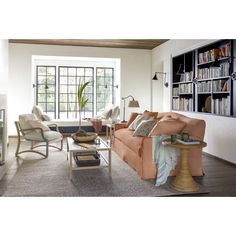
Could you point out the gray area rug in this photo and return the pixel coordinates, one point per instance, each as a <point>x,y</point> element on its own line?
<point>33,176</point>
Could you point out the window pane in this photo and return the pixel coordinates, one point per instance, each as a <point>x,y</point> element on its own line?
<point>50,79</point>
<point>72,71</point>
<point>72,80</point>
<point>51,71</point>
<point>63,71</point>
<point>41,70</point>
<point>72,106</point>
<point>100,107</point>
<point>108,81</point>
<point>63,106</point>
<point>88,114</point>
<point>100,72</point>
<point>89,97</point>
<point>80,71</point>
<point>63,89</point>
<point>88,72</point>
<point>50,97</point>
<point>63,80</point>
<point>101,89</point>
<point>88,89</point>
<point>41,79</point>
<point>50,106</point>
<point>72,97</point>
<point>108,72</point>
<point>41,89</point>
<point>63,97</point>
<point>51,89</point>
<point>89,107</point>
<point>41,97</point>
<point>72,89</point>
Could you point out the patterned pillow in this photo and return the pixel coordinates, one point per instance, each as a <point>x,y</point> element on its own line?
<point>138,120</point>
<point>144,128</point>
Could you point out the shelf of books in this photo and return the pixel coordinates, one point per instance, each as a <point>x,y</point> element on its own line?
<point>202,79</point>
<point>213,80</point>
<point>183,87</point>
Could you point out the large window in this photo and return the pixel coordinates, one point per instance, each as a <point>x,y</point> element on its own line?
<point>69,78</point>
<point>57,95</point>
<point>104,88</point>
<point>46,89</point>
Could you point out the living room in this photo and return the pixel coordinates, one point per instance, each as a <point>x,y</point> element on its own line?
<point>134,70</point>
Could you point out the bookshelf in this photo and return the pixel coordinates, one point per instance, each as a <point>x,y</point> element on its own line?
<point>205,81</point>
<point>183,87</point>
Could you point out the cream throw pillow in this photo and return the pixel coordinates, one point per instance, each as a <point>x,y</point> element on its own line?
<point>38,124</point>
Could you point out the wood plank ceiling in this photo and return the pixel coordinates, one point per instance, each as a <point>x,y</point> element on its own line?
<point>111,43</point>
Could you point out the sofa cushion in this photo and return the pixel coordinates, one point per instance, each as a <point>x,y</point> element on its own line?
<point>144,128</point>
<point>132,117</point>
<point>168,126</point>
<point>115,113</point>
<point>106,113</point>
<point>132,142</point>
<point>150,113</point>
<point>138,120</point>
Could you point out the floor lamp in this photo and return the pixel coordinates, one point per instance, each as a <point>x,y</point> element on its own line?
<point>132,103</point>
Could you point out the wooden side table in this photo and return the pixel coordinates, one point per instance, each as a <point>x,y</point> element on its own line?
<point>184,181</point>
<point>109,132</point>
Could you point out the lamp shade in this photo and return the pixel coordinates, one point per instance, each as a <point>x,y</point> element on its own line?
<point>155,77</point>
<point>133,103</point>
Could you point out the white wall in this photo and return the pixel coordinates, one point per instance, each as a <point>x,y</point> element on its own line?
<point>135,74</point>
<point>220,132</point>
<point>3,65</point>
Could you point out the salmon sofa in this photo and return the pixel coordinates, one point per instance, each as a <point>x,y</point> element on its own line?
<point>137,151</point>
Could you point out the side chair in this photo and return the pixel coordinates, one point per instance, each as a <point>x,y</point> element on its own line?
<point>35,131</point>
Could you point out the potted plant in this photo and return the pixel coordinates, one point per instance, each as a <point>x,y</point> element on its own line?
<point>82,135</point>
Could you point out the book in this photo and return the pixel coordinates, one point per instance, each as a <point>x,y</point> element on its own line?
<point>189,142</point>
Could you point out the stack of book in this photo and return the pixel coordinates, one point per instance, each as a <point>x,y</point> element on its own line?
<point>90,158</point>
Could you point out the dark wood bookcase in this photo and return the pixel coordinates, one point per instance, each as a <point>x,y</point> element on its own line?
<point>203,81</point>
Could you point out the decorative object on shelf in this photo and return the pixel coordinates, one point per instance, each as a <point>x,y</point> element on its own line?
<point>180,70</point>
<point>166,84</point>
<point>132,103</point>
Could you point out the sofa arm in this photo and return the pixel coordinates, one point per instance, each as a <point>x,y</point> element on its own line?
<point>120,126</point>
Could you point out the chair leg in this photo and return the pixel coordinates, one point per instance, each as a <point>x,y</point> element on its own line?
<point>47,146</point>
<point>61,144</point>
<point>18,146</point>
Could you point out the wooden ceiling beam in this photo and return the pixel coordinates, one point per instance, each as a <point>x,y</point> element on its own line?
<point>113,43</point>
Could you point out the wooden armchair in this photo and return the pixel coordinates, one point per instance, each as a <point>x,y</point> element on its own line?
<point>35,131</point>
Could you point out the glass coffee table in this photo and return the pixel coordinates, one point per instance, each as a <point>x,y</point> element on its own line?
<point>81,149</point>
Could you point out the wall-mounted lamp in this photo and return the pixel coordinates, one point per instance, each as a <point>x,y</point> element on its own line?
<point>155,77</point>
<point>114,86</point>
<point>132,103</point>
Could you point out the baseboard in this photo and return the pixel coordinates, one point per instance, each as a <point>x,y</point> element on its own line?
<point>220,159</point>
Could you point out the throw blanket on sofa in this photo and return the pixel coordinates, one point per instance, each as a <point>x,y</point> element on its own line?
<point>164,157</point>
<point>97,124</point>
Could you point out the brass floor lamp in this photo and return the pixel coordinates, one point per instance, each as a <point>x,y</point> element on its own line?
<point>132,103</point>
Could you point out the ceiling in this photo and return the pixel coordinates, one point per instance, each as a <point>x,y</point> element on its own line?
<point>111,43</point>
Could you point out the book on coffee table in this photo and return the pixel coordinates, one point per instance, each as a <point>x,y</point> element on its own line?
<point>189,142</point>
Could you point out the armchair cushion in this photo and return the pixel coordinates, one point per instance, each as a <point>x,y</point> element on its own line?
<point>23,120</point>
<point>48,135</point>
<point>38,124</point>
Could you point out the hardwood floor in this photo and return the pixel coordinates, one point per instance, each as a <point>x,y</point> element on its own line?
<point>219,178</point>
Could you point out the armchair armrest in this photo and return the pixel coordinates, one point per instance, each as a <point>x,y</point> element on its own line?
<point>120,126</point>
<point>40,131</point>
<point>53,125</point>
